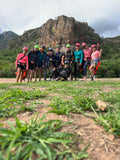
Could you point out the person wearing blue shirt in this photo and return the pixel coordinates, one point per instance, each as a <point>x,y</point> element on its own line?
<point>41,55</point>
<point>78,60</point>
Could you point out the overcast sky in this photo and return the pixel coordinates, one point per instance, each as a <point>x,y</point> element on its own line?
<point>22,15</point>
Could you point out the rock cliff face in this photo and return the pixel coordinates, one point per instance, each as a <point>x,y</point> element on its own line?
<point>61,30</point>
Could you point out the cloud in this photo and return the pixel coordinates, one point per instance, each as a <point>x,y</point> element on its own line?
<point>21,15</point>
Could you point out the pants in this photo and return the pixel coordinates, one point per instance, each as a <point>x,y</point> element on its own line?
<point>47,67</point>
<point>85,65</point>
<point>76,70</point>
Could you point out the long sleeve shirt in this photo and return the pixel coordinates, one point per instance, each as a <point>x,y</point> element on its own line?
<point>78,56</point>
<point>32,56</point>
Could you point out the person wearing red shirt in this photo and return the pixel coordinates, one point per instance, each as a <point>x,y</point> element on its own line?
<point>21,64</point>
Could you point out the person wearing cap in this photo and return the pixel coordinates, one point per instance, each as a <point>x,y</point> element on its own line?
<point>78,60</point>
<point>33,59</point>
<point>48,62</point>
<point>95,58</point>
<point>87,57</point>
<point>69,56</point>
<point>39,68</point>
<point>58,56</point>
<point>57,66</point>
<point>21,64</point>
<point>65,72</point>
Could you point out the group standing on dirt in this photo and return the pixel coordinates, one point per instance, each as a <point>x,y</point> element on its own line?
<point>56,64</point>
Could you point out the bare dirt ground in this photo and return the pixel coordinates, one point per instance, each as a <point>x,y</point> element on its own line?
<point>13,80</point>
<point>101,145</point>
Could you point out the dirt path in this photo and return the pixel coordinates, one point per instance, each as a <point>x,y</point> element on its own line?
<point>13,80</point>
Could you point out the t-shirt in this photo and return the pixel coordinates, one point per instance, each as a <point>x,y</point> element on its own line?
<point>95,55</point>
<point>87,53</point>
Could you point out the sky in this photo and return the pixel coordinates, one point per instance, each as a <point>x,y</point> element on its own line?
<point>21,15</point>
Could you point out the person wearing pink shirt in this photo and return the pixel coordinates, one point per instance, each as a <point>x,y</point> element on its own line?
<point>21,64</point>
<point>95,58</point>
<point>87,58</point>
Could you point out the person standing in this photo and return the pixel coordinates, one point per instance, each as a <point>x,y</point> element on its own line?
<point>95,58</point>
<point>68,56</point>
<point>56,63</point>
<point>78,60</point>
<point>39,68</point>
<point>21,64</point>
<point>48,62</point>
<point>33,59</point>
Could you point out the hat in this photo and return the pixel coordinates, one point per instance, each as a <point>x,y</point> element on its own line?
<point>68,46</point>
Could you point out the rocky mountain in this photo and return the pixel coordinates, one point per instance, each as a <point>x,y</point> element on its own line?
<point>5,38</point>
<point>61,30</point>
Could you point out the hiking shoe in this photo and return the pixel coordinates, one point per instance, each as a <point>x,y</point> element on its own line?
<point>48,79</point>
<point>92,79</point>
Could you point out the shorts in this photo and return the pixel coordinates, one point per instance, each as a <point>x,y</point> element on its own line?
<point>31,66</point>
<point>21,66</point>
<point>94,62</point>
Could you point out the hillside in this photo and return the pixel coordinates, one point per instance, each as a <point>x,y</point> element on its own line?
<point>113,42</point>
<point>5,38</point>
<point>61,30</point>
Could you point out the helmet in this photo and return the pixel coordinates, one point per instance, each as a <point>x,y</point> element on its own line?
<point>36,46</point>
<point>66,62</point>
<point>78,44</point>
<point>57,46</point>
<point>50,49</point>
<point>68,46</point>
<point>43,46</point>
<point>25,48</point>
<point>84,44</point>
<point>93,46</point>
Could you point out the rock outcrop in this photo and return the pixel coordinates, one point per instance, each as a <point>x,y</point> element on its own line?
<point>61,30</point>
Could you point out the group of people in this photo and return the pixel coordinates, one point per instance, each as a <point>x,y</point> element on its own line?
<point>59,65</point>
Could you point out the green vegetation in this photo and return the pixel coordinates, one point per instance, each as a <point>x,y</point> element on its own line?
<point>42,138</point>
<point>39,139</point>
<point>13,101</point>
<point>110,62</point>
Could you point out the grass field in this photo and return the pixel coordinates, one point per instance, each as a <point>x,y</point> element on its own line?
<point>60,120</point>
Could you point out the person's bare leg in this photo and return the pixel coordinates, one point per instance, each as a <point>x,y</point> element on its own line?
<point>21,76</point>
<point>40,73</point>
<point>36,70</point>
<point>92,68</point>
<point>18,75</point>
<point>31,74</point>
<point>28,76</point>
